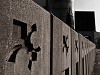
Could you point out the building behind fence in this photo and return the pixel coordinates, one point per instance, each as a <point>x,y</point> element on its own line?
<point>35,42</point>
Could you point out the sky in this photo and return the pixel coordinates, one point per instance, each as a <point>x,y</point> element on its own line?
<point>89,5</point>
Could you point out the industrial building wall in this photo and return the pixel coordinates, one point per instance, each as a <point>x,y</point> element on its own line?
<point>35,42</point>
<point>85,23</point>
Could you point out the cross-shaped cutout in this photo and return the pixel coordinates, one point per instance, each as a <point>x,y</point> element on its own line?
<point>65,43</point>
<point>27,42</point>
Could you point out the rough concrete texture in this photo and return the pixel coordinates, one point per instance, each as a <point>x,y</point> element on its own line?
<point>91,57</point>
<point>87,56</point>
<point>91,62</point>
<point>82,53</point>
<point>17,15</point>
<point>57,47</point>
<point>82,41</point>
<point>4,33</point>
<point>66,55</point>
<point>75,52</point>
<point>22,60</point>
<point>96,70</point>
<point>61,48</point>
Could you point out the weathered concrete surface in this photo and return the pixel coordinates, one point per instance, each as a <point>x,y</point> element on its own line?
<point>22,61</point>
<point>96,70</point>
<point>82,49</point>
<point>61,48</point>
<point>91,57</point>
<point>87,56</point>
<point>57,47</point>
<point>26,13</point>
<point>66,55</point>
<point>4,33</point>
<point>75,52</point>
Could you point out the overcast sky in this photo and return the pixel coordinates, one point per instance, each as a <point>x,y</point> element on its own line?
<point>89,5</point>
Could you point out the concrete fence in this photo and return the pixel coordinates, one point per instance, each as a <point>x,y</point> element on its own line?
<point>35,42</point>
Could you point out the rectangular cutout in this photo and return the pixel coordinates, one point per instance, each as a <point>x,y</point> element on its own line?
<point>67,71</point>
<point>77,68</point>
<point>23,28</point>
<point>34,56</point>
<point>86,64</point>
<point>83,65</point>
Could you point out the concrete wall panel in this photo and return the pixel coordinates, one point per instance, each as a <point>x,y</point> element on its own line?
<point>75,52</point>
<point>5,29</point>
<point>32,14</point>
<point>88,54</point>
<point>32,57</point>
<point>66,55</point>
<point>57,46</point>
<point>82,54</point>
<point>61,48</point>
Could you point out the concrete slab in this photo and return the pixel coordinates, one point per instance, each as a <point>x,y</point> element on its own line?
<point>75,52</point>
<point>4,33</point>
<point>57,47</point>
<point>61,48</point>
<point>24,24</point>
<point>82,54</point>
<point>96,70</point>
<point>30,13</point>
<point>66,55</point>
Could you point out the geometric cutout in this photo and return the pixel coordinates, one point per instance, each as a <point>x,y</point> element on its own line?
<point>77,68</point>
<point>65,39</point>
<point>30,64</point>
<point>13,55</point>
<point>27,41</point>
<point>76,45</point>
<point>34,56</point>
<point>23,28</point>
